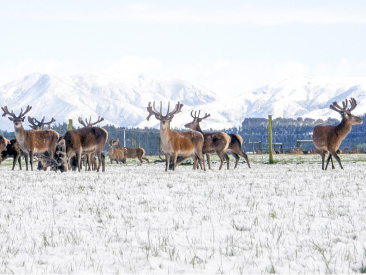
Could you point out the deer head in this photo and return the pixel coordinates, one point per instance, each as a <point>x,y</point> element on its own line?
<point>195,124</point>
<point>87,123</point>
<point>17,120</point>
<point>164,120</point>
<point>346,114</point>
<point>38,125</point>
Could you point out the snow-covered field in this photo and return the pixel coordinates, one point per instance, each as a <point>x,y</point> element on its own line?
<point>290,217</point>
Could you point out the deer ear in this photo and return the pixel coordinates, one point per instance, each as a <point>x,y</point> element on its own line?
<point>10,118</point>
<point>23,118</point>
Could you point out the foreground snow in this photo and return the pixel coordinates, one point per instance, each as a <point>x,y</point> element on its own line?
<point>282,218</point>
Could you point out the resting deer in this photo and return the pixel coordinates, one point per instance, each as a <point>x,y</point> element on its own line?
<point>328,138</point>
<point>217,142</point>
<point>90,157</point>
<point>32,142</point>
<point>85,140</point>
<point>174,144</point>
<point>132,153</point>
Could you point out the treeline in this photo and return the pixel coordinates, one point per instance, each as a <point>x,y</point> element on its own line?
<point>284,130</point>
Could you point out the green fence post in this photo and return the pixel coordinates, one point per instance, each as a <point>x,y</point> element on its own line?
<point>270,139</point>
<point>70,124</point>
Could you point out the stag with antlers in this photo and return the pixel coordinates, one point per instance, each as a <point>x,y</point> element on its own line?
<point>217,142</point>
<point>32,142</point>
<point>327,138</point>
<point>86,140</point>
<point>174,144</point>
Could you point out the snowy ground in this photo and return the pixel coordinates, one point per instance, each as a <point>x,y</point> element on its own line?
<point>290,217</point>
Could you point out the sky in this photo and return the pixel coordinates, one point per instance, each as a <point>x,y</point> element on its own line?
<point>228,46</point>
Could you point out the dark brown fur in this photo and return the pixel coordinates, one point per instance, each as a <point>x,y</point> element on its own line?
<point>88,139</point>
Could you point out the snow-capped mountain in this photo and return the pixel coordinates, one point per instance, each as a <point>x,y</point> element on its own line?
<point>123,102</point>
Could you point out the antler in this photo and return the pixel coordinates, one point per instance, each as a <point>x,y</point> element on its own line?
<point>353,104</point>
<point>26,111</point>
<point>335,106</point>
<point>35,124</point>
<point>89,124</point>
<point>158,115</point>
<point>6,112</point>
<point>198,117</point>
<point>82,122</point>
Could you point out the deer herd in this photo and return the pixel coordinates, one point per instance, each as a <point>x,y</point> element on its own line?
<point>85,144</point>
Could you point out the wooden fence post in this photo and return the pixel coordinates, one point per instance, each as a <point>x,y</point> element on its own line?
<point>70,124</point>
<point>270,139</point>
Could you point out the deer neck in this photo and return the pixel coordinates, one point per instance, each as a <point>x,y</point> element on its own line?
<point>165,135</point>
<point>198,129</point>
<point>343,129</point>
<point>20,136</point>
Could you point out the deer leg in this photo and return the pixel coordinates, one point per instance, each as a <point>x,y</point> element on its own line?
<point>208,161</point>
<point>227,160</point>
<point>78,159</point>
<point>167,162</point>
<point>322,154</point>
<point>328,159</point>
<point>236,156</point>
<point>31,159</point>
<point>144,158</point>
<point>245,156</point>
<point>331,159</point>
<point>221,156</point>
<point>334,154</point>
<point>175,155</point>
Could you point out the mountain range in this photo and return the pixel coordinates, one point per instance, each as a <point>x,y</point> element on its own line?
<point>122,102</point>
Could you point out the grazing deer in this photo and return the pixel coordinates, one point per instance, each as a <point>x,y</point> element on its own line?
<point>132,153</point>
<point>116,154</point>
<point>174,144</point>
<point>90,162</point>
<point>234,146</point>
<point>31,142</point>
<point>217,142</point>
<point>86,140</point>
<point>13,150</point>
<point>327,138</point>
<point>38,125</point>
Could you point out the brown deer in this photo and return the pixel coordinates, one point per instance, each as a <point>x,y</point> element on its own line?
<point>132,153</point>
<point>234,144</point>
<point>3,143</point>
<point>216,142</point>
<point>90,162</point>
<point>85,140</point>
<point>327,138</point>
<point>32,142</point>
<point>13,150</point>
<point>116,154</point>
<point>174,144</point>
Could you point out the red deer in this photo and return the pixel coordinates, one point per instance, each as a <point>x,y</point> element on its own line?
<point>328,138</point>
<point>116,154</point>
<point>85,140</point>
<point>13,150</point>
<point>174,144</point>
<point>217,142</point>
<point>235,141</point>
<point>90,161</point>
<point>3,143</point>
<point>32,142</point>
<point>132,153</point>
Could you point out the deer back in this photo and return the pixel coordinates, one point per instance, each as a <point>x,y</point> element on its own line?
<point>88,139</point>
<point>39,141</point>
